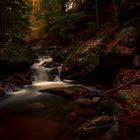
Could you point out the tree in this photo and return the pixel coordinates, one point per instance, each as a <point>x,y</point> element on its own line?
<point>2,32</point>
<point>13,18</point>
<point>117,8</point>
<point>97,13</point>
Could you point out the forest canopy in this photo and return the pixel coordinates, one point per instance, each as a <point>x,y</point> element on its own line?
<point>61,18</point>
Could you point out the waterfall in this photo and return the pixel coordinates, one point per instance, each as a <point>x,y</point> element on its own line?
<point>42,73</point>
<point>46,75</point>
<point>59,72</point>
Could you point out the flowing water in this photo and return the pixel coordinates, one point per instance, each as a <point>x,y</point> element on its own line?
<point>40,81</point>
<point>29,114</point>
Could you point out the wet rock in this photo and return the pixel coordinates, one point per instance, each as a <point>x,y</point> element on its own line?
<point>123,95</point>
<point>74,92</point>
<point>95,125</point>
<point>58,52</point>
<point>117,56</point>
<point>77,91</point>
<point>131,99</point>
<point>107,38</point>
<point>87,102</point>
<point>128,36</point>
<point>121,49</point>
<point>110,106</point>
<point>84,60</point>
<point>51,64</point>
<point>60,56</point>
<point>129,95</point>
<point>6,88</point>
<point>81,91</point>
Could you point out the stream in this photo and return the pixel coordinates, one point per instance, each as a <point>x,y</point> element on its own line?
<point>30,114</point>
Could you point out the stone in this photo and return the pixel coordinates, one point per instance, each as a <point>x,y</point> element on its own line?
<point>128,36</point>
<point>110,106</point>
<point>77,91</point>
<point>95,125</point>
<point>84,59</point>
<point>15,57</point>
<point>87,101</point>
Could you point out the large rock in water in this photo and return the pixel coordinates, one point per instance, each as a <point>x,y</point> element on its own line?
<point>129,36</point>
<point>95,125</point>
<point>122,48</point>
<point>120,51</point>
<point>15,57</point>
<point>84,60</point>
<point>103,57</point>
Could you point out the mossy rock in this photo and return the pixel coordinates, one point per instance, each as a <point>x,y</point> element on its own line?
<point>95,125</point>
<point>123,95</point>
<point>126,95</point>
<point>115,50</point>
<point>129,36</point>
<point>87,101</point>
<point>14,57</point>
<point>77,91</point>
<point>110,106</point>
<point>85,59</point>
<point>107,38</point>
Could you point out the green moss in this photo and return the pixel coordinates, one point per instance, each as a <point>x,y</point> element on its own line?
<point>123,95</point>
<point>110,106</point>
<point>107,38</point>
<point>115,49</point>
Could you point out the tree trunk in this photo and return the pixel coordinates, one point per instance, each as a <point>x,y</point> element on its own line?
<point>47,18</point>
<point>97,14</point>
<point>117,8</point>
<point>1,22</point>
<point>63,9</point>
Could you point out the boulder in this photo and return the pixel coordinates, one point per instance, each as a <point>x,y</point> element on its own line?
<point>130,96</point>
<point>110,106</point>
<point>87,102</point>
<point>129,36</point>
<point>77,91</point>
<point>84,59</point>
<point>125,43</point>
<point>51,64</point>
<point>120,51</point>
<point>95,125</point>
<point>15,57</point>
<point>107,54</point>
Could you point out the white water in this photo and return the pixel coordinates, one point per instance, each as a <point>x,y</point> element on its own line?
<point>41,81</point>
<point>41,73</point>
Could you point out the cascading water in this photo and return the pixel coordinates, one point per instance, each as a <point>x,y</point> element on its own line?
<point>40,73</point>
<point>42,78</point>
